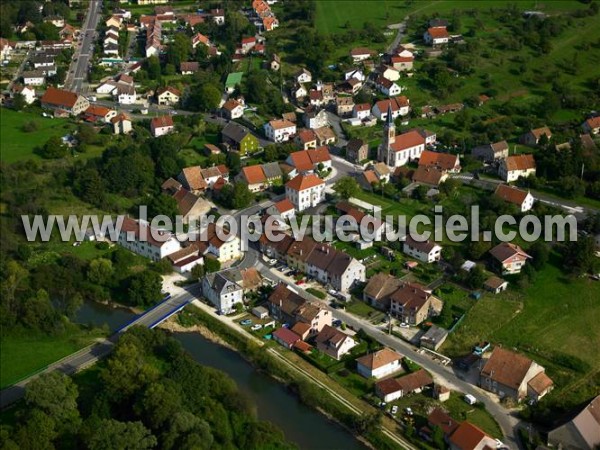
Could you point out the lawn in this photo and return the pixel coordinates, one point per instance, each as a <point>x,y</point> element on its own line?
<point>361,309</point>
<point>25,354</point>
<point>17,144</point>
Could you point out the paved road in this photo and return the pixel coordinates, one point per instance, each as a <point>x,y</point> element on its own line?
<point>79,66</point>
<point>449,377</point>
<point>91,354</point>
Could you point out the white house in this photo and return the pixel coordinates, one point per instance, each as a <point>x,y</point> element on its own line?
<point>354,73</point>
<point>143,240</point>
<point>390,73</point>
<point>168,96</point>
<point>224,250</point>
<point>426,251</point>
<point>305,191</point>
<point>400,106</point>
<point>387,87</point>
<point>315,119</point>
<point>233,109</point>
<point>436,36</point>
<point>121,124</point>
<point>159,126</point>
<point>34,78</point>
<point>334,342</point>
<point>361,54</point>
<point>523,199</point>
<point>28,93</point>
<point>222,292</point>
<point>361,111</point>
<point>379,364</point>
<point>516,166</point>
<point>303,76</point>
<point>283,208</point>
<point>280,130</point>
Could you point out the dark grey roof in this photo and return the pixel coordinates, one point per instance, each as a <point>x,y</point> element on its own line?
<point>354,144</point>
<point>435,334</point>
<point>222,284</point>
<point>235,132</point>
<point>272,170</point>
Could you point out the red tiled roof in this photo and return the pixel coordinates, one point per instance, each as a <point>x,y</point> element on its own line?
<point>170,89</point>
<point>407,140</point>
<point>520,162</point>
<point>506,367</point>
<point>511,194</point>
<point>302,182</point>
<point>284,206</point>
<point>230,105</point>
<point>467,436</point>
<point>438,32</point>
<point>281,123</point>
<point>444,161</point>
<point>507,250</point>
<point>254,174</point>
<point>594,122</point>
<point>59,97</point>
<point>248,40</point>
<point>359,51</point>
<point>362,107</point>
<point>162,121</point>
<point>95,110</point>
<point>380,358</point>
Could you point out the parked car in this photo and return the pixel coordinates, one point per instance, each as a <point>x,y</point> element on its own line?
<point>273,262</point>
<point>246,322</point>
<point>382,405</point>
<point>470,399</point>
<point>256,327</point>
<point>404,325</point>
<point>300,282</point>
<point>337,323</point>
<point>408,410</point>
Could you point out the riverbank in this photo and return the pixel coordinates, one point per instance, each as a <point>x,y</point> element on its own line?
<point>363,424</point>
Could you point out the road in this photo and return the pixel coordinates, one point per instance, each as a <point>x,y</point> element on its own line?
<point>90,355</point>
<point>508,423</point>
<point>77,74</point>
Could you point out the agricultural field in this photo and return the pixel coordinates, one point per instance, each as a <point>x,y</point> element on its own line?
<point>19,145</point>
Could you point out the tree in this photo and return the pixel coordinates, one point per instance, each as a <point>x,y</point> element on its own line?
<point>242,197</point>
<point>234,162</point>
<point>19,102</point>
<point>539,253</point>
<point>53,148</point>
<point>100,271</point>
<point>159,402</point>
<point>164,205</point>
<point>113,435</point>
<point>38,312</point>
<point>346,187</point>
<point>89,186</point>
<point>197,271</point>
<point>145,288</point>
<point>437,438</point>
<point>207,97</point>
<point>184,427</point>
<point>38,432</point>
<point>211,265</point>
<point>579,256</point>
<point>476,277</point>
<point>153,68</point>
<point>56,395</point>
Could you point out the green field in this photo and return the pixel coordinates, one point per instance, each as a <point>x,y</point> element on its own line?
<point>18,145</point>
<point>26,354</point>
<point>332,15</point>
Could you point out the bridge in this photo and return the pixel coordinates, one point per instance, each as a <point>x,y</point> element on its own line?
<point>91,354</point>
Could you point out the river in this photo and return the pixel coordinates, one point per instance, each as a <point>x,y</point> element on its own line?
<point>300,424</point>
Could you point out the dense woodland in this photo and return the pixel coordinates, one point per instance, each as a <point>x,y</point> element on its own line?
<point>148,394</point>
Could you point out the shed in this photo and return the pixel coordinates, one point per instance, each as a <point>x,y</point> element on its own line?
<point>468,265</point>
<point>495,284</point>
<point>475,295</point>
<point>261,312</point>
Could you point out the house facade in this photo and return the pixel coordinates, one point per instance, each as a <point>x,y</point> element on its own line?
<point>379,364</point>
<point>427,252</point>
<point>305,191</point>
<point>280,130</point>
<point>334,342</point>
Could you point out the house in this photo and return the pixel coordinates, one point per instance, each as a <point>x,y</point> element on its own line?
<point>433,338</point>
<point>140,238</point>
<point>315,97</point>
<point>400,106</point>
<point>189,68</point>
<point>523,199</point>
<point>469,437</point>
<point>361,54</point>
<point>581,431</point>
<point>350,87</point>
<point>394,388</point>
<point>59,99</point>
<point>491,152</point>
<point>495,285</point>
<point>402,63</point>
<point>388,390</point>
<point>198,39</point>
<point>361,111</point>
<point>354,73</point>
<point>436,36</point>
<point>211,175</point>
<point>510,374</point>
<point>532,137</point>
<point>424,251</point>
<point>280,130</point>
<point>232,109</point>
<point>344,106</point>
<point>382,172</point>
<point>314,118</point>
<point>387,87</point>
<point>6,49</point>
<point>102,113</point>
<point>334,342</point>
<point>189,205</point>
<point>33,78</point>
<point>224,250</point>
<point>592,125</point>
<point>516,166</point>
<point>126,94</point>
<point>187,258</point>
<point>247,44</point>
<point>357,150</point>
<point>299,91</point>
<point>272,172</point>
<point>301,329</point>
<point>446,162</point>
<point>438,418</point>
<point>285,337</point>
<point>412,303</point>
<point>168,95</point>
<point>254,177</point>
<point>325,136</point>
<point>191,178</point>
<point>429,176</point>
<point>379,364</point>
<point>511,257</point>
<point>270,23</point>
<point>283,208</point>
<point>373,228</point>
<point>121,124</point>
<point>306,138</point>
<point>379,289</point>
<point>328,265</point>
<point>389,73</point>
<point>240,138</point>
<point>275,63</point>
<point>222,292</point>
<point>159,126</point>
<point>303,76</point>
<point>287,306</point>
<point>305,191</point>
<point>27,91</point>
<point>368,180</point>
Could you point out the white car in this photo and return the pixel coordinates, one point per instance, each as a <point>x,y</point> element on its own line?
<point>408,411</point>
<point>256,327</point>
<point>404,325</point>
<point>470,399</point>
<point>273,262</point>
